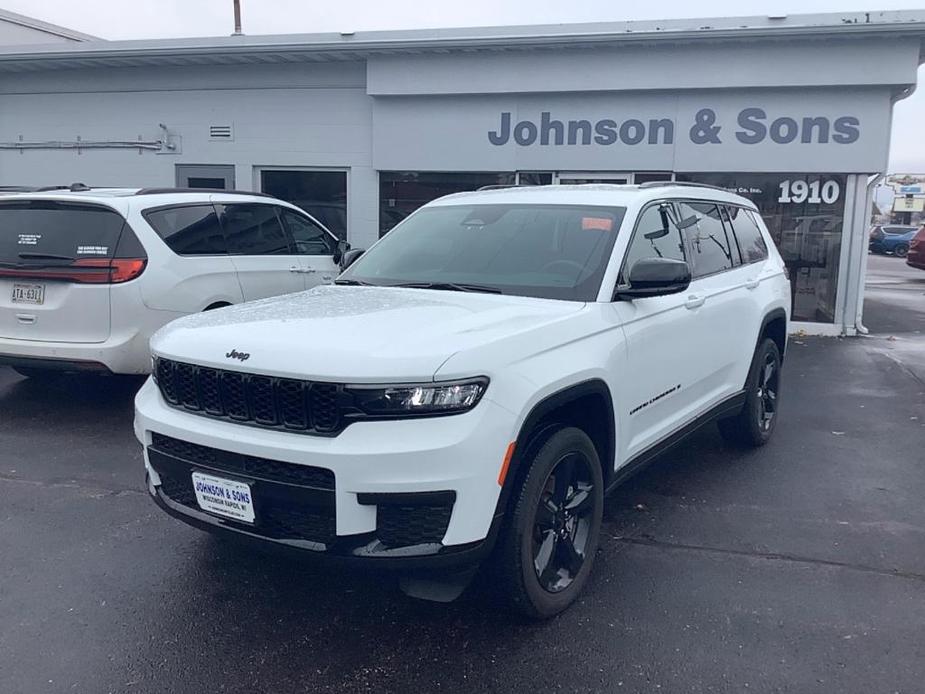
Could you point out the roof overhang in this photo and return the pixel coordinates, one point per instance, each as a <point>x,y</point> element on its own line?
<point>361,45</point>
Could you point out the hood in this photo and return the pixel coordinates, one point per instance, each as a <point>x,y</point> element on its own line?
<point>353,334</point>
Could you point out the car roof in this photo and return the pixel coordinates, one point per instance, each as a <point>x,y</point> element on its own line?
<point>151,197</point>
<point>604,194</point>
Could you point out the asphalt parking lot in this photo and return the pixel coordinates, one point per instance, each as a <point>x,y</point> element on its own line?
<point>796,568</point>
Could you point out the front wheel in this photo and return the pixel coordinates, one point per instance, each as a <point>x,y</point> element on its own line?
<point>754,425</point>
<point>547,546</point>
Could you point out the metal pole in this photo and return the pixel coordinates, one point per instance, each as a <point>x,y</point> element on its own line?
<point>237,18</point>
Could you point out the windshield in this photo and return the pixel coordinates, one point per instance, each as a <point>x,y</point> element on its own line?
<point>548,251</point>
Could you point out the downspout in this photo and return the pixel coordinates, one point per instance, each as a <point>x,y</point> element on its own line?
<point>872,183</point>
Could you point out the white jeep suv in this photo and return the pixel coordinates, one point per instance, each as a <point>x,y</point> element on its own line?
<point>475,382</point>
<point>87,275</point>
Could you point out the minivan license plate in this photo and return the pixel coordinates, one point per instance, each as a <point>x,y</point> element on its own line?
<point>28,294</point>
<point>223,497</point>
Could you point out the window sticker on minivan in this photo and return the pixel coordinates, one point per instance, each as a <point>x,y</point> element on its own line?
<point>29,239</point>
<point>93,250</point>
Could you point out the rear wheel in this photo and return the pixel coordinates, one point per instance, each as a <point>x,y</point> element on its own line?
<point>754,425</point>
<point>547,546</point>
<point>901,250</point>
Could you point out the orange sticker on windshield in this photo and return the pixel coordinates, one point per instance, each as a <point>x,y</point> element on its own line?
<point>597,223</point>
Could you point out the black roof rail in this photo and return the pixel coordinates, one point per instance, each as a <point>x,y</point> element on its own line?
<point>73,187</point>
<point>504,186</point>
<point>159,191</point>
<point>683,184</point>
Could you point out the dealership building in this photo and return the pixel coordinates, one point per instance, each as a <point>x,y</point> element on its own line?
<point>362,128</point>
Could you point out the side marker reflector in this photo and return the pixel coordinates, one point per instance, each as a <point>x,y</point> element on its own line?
<point>506,463</point>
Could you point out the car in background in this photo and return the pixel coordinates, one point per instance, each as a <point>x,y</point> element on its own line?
<point>88,274</point>
<point>891,238</point>
<point>916,256</point>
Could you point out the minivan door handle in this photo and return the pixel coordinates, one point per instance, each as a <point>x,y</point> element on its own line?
<point>751,283</point>
<point>694,301</point>
<point>295,268</point>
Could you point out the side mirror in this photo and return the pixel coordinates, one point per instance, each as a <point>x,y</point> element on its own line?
<point>350,257</point>
<point>655,277</point>
<point>339,250</point>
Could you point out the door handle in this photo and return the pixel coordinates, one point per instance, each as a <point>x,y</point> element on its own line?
<point>694,301</point>
<point>295,268</point>
<point>309,270</point>
<point>751,283</point>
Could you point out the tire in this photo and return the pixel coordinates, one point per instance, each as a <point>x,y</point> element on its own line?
<point>753,426</point>
<point>562,466</point>
<point>901,250</point>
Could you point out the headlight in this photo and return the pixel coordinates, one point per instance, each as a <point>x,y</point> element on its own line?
<point>425,398</point>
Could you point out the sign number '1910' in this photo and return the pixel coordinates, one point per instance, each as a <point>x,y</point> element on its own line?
<point>813,192</point>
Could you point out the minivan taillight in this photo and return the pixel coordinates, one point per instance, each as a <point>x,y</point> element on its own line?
<point>113,271</point>
<point>84,271</point>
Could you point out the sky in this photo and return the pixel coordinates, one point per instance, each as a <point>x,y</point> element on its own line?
<point>137,19</point>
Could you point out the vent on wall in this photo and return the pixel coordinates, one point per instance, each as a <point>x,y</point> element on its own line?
<point>221,132</point>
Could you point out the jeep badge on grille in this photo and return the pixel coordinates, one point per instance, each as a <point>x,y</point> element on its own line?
<point>235,354</point>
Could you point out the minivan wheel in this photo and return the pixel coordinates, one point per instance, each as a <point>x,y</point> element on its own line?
<point>547,545</point>
<point>754,425</point>
<point>901,250</point>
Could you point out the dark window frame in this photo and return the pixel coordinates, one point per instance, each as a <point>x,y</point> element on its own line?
<point>751,214</point>
<point>726,230</point>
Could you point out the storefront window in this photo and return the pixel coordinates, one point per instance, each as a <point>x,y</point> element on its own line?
<point>804,213</point>
<point>323,194</point>
<point>402,192</point>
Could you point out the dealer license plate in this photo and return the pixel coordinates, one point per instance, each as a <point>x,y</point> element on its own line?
<point>28,294</point>
<point>228,498</point>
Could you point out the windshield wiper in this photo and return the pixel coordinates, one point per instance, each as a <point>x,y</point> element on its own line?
<point>450,286</point>
<point>353,282</point>
<point>44,256</point>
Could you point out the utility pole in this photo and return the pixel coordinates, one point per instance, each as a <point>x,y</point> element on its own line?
<point>237,18</point>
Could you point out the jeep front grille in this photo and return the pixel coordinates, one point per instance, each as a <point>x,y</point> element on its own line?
<point>265,401</point>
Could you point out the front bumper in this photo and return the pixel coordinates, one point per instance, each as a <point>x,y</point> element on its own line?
<point>403,492</point>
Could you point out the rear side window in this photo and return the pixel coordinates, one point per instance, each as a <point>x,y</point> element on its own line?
<point>747,235</point>
<point>42,232</point>
<point>711,249</point>
<point>189,230</point>
<point>253,229</point>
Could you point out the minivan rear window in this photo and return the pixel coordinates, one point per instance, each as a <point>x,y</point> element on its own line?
<point>45,232</point>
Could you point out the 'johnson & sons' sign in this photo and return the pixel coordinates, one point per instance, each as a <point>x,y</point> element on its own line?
<point>752,126</point>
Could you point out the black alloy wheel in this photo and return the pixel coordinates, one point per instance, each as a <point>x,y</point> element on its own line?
<point>754,424</point>
<point>546,548</point>
<point>768,383</point>
<point>562,525</point>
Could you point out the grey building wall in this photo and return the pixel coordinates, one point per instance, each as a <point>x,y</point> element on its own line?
<point>313,116</point>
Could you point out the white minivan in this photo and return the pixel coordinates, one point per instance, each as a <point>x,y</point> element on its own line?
<point>87,275</point>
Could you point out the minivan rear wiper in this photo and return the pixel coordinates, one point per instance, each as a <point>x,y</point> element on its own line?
<point>44,256</point>
<point>450,286</point>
